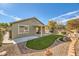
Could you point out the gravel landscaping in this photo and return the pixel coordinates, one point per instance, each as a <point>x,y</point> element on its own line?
<point>59,49</point>
<point>24,49</point>
<point>10,49</point>
<point>77,48</point>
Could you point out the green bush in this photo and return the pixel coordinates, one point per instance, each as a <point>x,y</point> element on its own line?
<point>61,39</point>
<point>1,38</point>
<point>63,33</point>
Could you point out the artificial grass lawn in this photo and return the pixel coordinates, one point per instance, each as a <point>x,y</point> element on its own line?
<point>42,42</point>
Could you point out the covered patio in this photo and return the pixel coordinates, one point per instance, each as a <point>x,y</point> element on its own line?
<point>40,30</point>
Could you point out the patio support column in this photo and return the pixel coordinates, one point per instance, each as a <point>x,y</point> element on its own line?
<point>41,31</point>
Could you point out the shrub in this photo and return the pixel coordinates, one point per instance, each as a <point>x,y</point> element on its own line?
<point>1,38</point>
<point>63,33</point>
<point>61,39</point>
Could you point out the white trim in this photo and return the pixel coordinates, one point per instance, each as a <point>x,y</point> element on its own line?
<point>41,31</point>
<point>18,28</point>
<point>24,30</point>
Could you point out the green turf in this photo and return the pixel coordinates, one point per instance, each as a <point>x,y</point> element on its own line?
<point>42,42</point>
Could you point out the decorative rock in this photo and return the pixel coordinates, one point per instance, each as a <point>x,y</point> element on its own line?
<point>3,53</point>
<point>48,52</point>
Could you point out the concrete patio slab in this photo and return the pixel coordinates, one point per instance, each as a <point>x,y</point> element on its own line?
<point>23,39</point>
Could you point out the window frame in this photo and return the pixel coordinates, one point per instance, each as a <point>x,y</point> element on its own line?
<point>25,31</point>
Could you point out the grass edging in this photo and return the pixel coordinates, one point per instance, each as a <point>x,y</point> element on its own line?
<point>42,42</point>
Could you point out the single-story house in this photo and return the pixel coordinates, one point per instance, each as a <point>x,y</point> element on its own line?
<point>26,27</point>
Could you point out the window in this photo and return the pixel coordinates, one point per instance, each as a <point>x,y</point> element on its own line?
<point>23,29</point>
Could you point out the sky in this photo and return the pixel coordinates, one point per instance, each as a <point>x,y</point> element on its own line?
<point>17,11</point>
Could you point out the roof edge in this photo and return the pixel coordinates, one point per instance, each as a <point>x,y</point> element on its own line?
<point>26,20</point>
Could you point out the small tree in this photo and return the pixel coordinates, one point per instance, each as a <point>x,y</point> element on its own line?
<point>73,24</point>
<point>51,25</point>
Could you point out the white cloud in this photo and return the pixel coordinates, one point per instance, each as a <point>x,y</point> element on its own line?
<point>16,18</point>
<point>5,14</point>
<point>67,14</point>
<point>2,13</point>
<point>61,18</point>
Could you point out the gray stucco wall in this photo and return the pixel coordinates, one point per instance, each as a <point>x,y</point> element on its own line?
<point>32,29</point>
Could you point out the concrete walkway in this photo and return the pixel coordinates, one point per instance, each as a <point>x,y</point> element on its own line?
<point>23,39</point>
<point>6,38</point>
<point>18,40</point>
